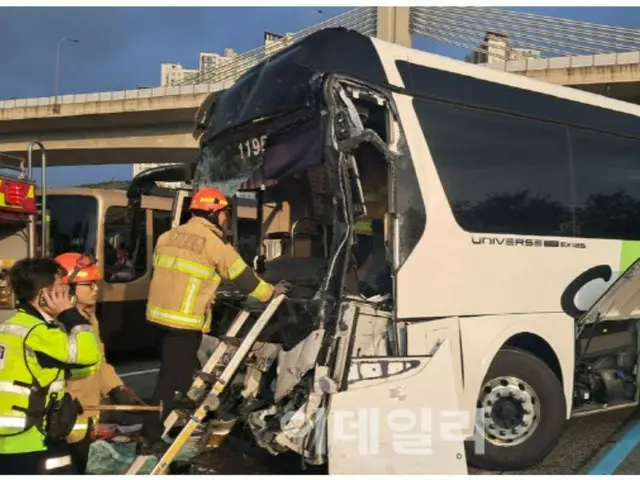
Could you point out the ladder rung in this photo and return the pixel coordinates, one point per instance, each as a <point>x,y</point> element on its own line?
<point>231,341</point>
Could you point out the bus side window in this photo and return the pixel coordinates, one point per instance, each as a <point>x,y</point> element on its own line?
<point>119,265</point>
<point>161,224</point>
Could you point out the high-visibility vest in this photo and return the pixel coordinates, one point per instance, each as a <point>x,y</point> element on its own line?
<point>374,201</point>
<point>25,384</point>
<point>189,263</point>
<point>363,227</point>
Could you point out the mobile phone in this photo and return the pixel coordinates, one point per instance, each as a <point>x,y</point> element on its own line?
<point>41,301</point>
<point>72,294</point>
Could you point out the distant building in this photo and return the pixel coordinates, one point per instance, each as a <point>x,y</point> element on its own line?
<point>210,64</point>
<point>495,50</point>
<point>172,74</point>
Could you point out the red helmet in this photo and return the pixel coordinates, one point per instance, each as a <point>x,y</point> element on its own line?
<point>80,268</point>
<point>209,199</point>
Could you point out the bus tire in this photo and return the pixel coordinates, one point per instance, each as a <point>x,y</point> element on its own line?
<point>517,388</point>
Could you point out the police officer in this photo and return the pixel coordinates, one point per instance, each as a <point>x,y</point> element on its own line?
<point>87,387</point>
<point>36,414</point>
<point>189,263</point>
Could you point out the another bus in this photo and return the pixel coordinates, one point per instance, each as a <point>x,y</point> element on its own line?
<point>513,207</point>
<point>95,220</point>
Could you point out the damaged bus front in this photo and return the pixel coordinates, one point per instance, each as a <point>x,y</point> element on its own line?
<point>315,142</point>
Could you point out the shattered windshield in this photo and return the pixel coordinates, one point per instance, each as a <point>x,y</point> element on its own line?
<point>281,84</point>
<point>287,81</point>
<point>285,85</point>
<point>276,153</point>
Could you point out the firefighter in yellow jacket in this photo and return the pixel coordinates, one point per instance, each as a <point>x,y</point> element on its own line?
<point>87,387</point>
<point>189,263</point>
<point>45,341</point>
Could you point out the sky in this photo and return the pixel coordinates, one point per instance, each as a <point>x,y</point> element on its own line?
<point>122,48</point>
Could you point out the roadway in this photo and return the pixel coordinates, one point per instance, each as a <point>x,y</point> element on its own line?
<point>608,443</point>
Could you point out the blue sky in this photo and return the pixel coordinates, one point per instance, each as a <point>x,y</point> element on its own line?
<point>122,48</point>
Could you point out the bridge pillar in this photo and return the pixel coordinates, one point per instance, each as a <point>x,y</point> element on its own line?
<point>393,25</point>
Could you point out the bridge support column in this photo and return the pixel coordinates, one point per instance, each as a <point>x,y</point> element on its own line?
<point>393,25</point>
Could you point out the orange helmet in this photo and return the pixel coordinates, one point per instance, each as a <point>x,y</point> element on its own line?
<point>80,268</point>
<point>209,199</point>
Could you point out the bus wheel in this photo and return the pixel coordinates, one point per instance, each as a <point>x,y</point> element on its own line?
<point>521,413</point>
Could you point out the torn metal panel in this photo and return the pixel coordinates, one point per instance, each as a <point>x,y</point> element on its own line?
<point>295,363</point>
<point>621,301</point>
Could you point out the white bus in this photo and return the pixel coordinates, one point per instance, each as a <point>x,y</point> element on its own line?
<point>513,205</point>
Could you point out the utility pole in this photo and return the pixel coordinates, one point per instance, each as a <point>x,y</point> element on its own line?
<point>56,105</point>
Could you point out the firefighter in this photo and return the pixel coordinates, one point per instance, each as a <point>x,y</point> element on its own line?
<point>189,263</point>
<point>36,352</point>
<point>88,387</point>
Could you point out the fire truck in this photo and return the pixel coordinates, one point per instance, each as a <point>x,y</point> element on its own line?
<point>20,218</point>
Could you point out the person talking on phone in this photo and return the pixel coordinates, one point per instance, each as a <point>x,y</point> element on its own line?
<point>87,386</point>
<point>41,344</point>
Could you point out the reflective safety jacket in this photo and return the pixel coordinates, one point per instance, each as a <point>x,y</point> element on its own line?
<point>89,386</point>
<point>376,203</point>
<point>34,355</point>
<point>189,263</point>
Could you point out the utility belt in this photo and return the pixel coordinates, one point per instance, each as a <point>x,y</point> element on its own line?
<point>60,418</point>
<point>55,419</point>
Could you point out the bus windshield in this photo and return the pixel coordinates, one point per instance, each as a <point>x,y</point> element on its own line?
<point>285,85</point>
<point>73,223</point>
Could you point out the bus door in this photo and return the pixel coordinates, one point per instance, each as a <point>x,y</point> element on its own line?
<point>127,264</point>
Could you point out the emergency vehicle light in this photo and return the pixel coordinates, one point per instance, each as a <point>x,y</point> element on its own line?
<point>17,196</point>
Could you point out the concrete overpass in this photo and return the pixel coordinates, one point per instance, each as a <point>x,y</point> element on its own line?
<point>615,75</point>
<point>132,126</point>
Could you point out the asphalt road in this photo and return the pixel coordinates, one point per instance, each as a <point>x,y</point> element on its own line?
<point>607,443</point>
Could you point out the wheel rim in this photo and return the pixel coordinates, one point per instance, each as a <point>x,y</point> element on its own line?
<point>508,411</point>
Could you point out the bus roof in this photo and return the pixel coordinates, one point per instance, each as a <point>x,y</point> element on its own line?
<point>290,72</point>
<point>117,197</point>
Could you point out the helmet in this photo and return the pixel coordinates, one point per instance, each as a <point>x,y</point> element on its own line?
<point>209,199</point>
<point>80,267</point>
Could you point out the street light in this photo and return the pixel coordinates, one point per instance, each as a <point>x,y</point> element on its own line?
<point>56,107</point>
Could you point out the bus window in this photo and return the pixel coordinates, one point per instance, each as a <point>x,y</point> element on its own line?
<point>119,265</point>
<point>161,224</point>
<point>73,223</point>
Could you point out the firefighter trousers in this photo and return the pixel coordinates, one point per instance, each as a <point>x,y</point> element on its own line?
<point>179,363</point>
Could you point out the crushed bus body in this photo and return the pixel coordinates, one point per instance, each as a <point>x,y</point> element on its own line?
<point>507,291</point>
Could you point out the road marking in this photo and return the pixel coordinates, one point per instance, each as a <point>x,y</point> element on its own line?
<point>139,372</point>
<point>609,463</point>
